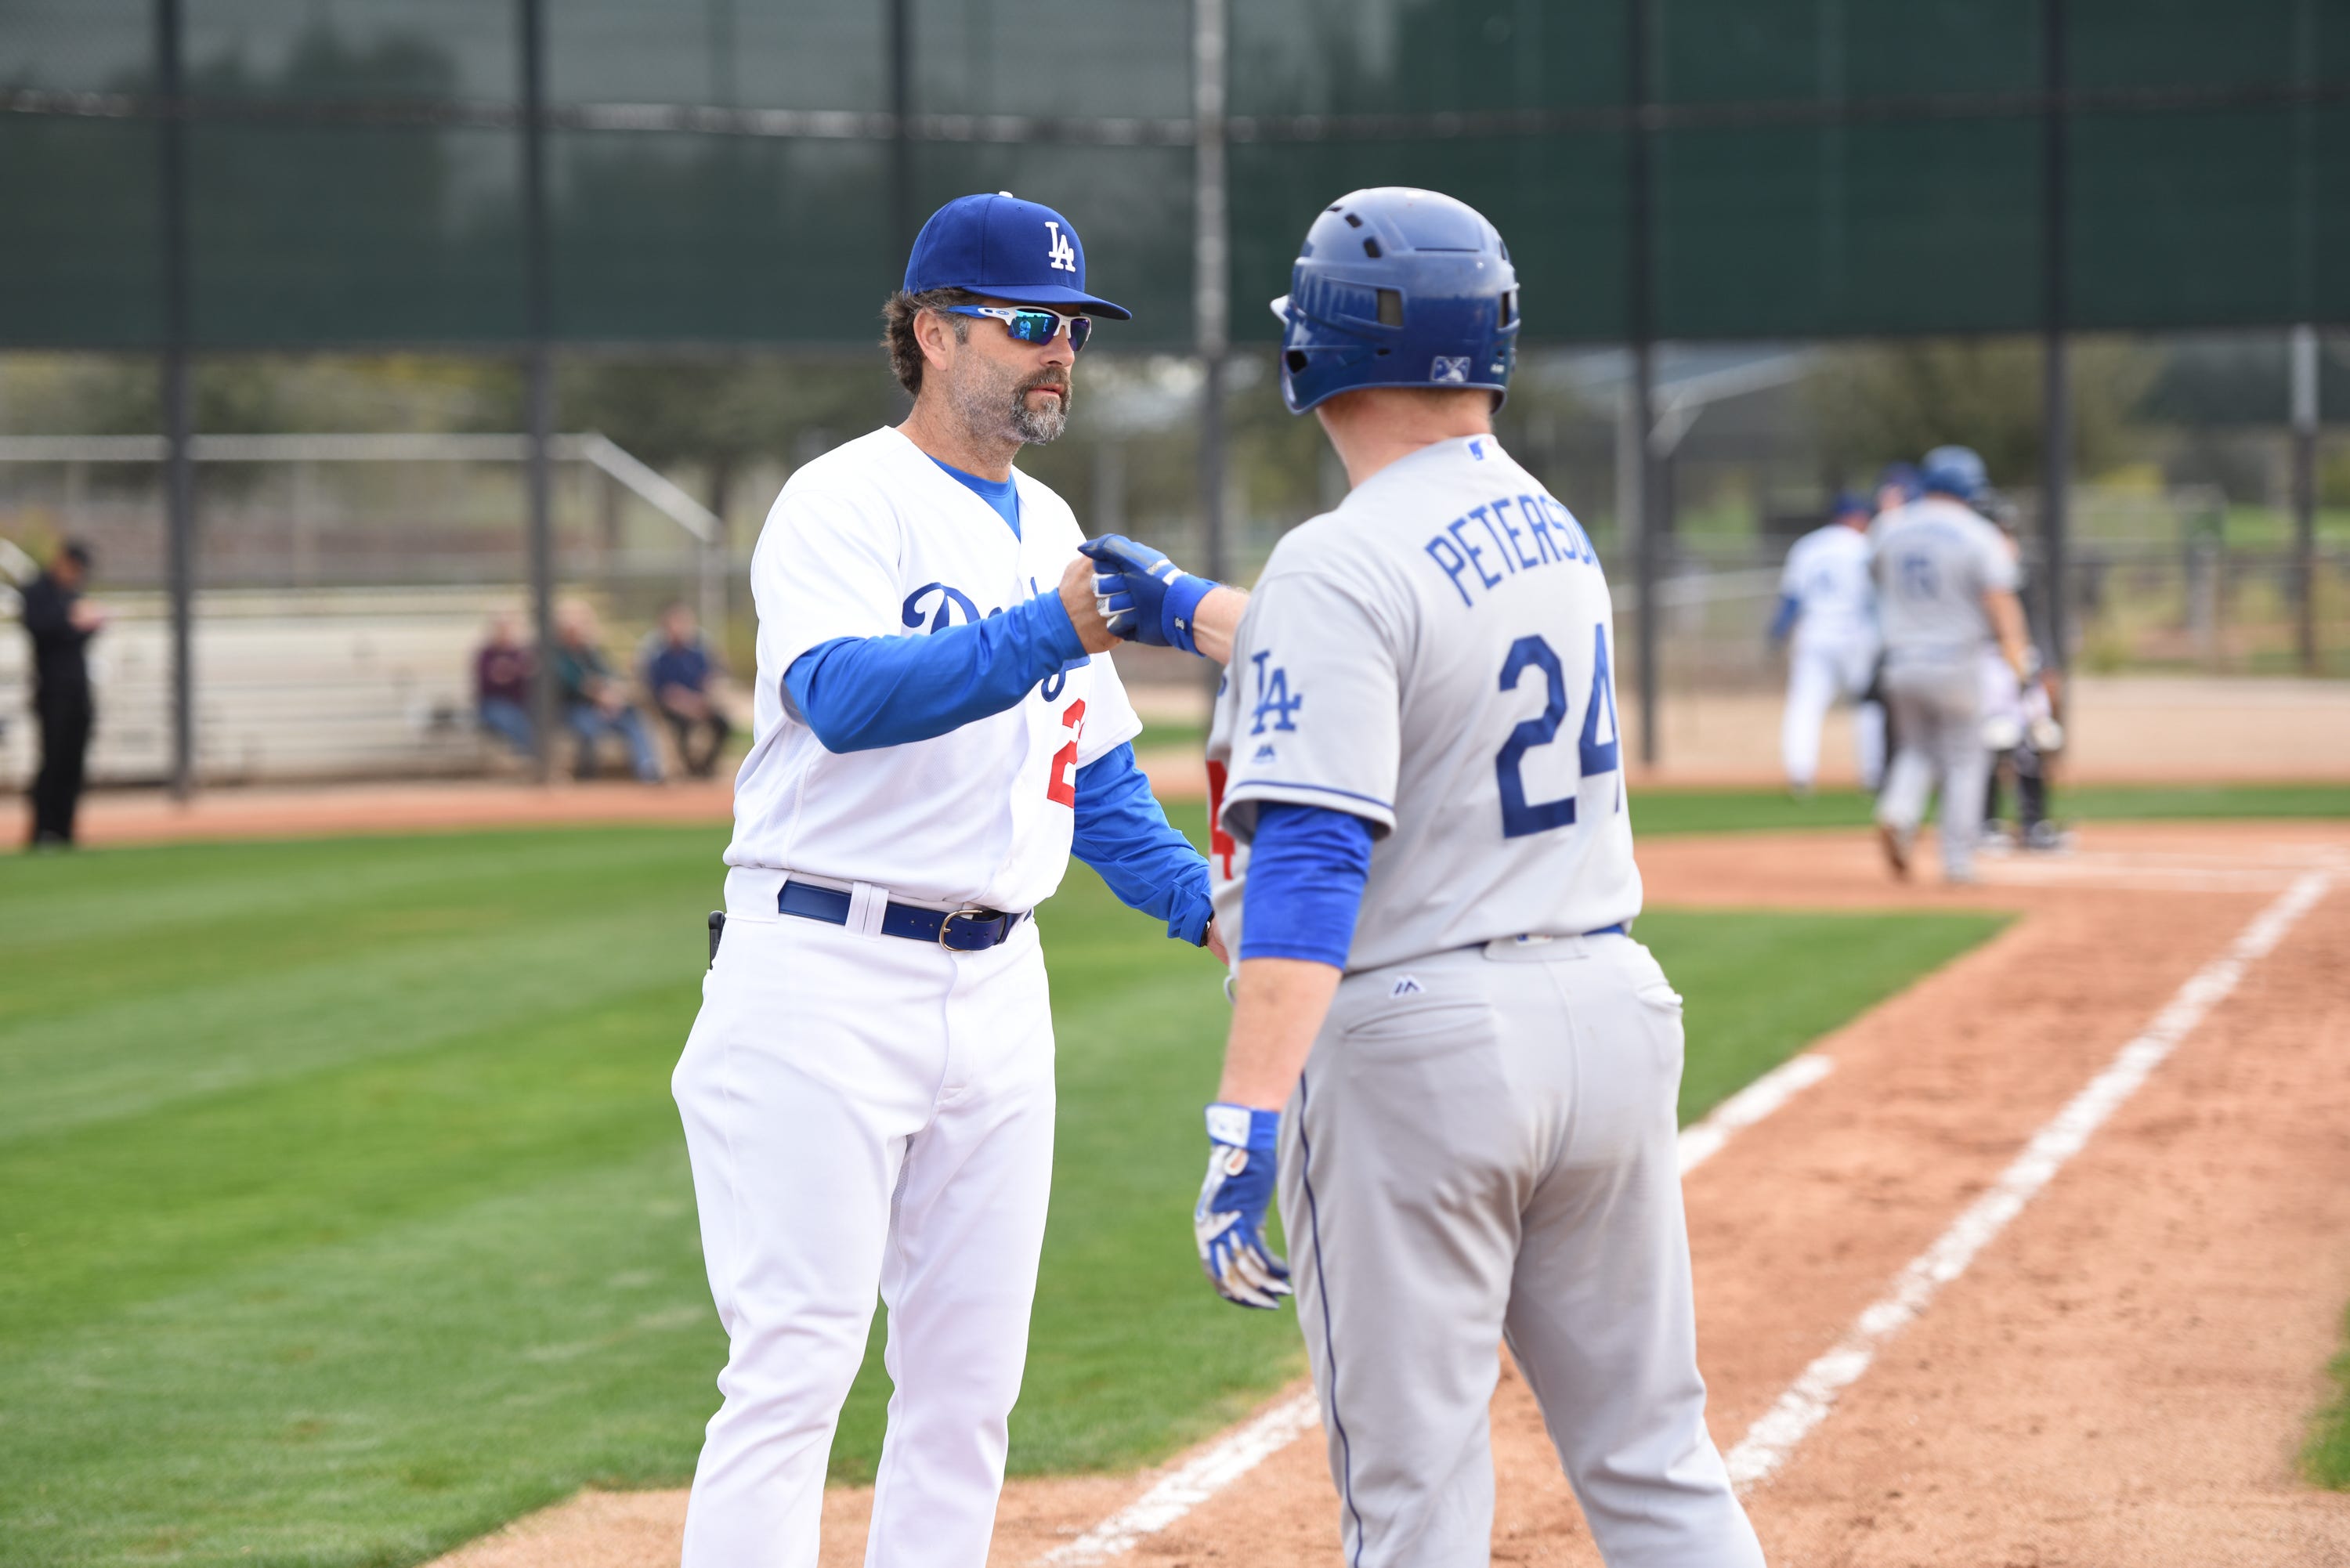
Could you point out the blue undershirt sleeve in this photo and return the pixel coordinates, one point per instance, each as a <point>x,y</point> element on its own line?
<point>1306,867</point>
<point>1123,835</point>
<point>1783,621</point>
<point>861,692</point>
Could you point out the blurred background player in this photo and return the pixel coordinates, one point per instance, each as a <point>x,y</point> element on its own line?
<point>596,703</point>
<point>502,675</point>
<point>2019,722</point>
<point>1422,847</point>
<point>61,622</point>
<point>1945,591</point>
<point>1828,601</point>
<point>678,676</point>
<point>1896,487</point>
<point>868,1091</point>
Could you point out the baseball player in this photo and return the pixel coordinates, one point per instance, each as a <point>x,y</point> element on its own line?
<point>867,1090</point>
<point>1945,591</point>
<point>1897,486</point>
<point>1443,1033</point>
<point>1827,598</point>
<point>2020,727</point>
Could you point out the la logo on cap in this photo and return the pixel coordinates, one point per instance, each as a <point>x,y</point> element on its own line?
<point>1060,253</point>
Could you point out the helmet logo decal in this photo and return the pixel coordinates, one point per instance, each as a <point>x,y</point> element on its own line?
<point>1060,253</point>
<point>1449,369</point>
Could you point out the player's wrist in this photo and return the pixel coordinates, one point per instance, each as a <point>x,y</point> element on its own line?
<point>1057,629</point>
<point>1179,611</point>
<point>1252,1127</point>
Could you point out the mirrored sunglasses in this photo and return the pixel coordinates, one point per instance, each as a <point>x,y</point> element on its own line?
<point>1032,323</point>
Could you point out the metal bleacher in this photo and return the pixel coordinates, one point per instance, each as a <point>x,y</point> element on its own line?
<point>292,685</point>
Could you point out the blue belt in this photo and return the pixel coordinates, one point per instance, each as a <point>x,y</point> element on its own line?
<point>1618,929</point>
<point>959,930</point>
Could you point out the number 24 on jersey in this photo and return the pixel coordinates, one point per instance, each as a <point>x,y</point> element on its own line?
<point>1521,816</point>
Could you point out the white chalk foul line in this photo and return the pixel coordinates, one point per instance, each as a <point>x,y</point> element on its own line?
<point>1808,1401</point>
<point>1702,1140</point>
<point>1242,1450</point>
<point>1215,1469</point>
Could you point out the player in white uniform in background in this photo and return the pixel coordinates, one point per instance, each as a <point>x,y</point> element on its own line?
<point>1945,592</point>
<point>1827,596</point>
<point>1423,852</point>
<point>868,1091</point>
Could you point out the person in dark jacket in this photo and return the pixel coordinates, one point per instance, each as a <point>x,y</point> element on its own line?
<point>61,623</point>
<point>677,672</point>
<point>503,668</point>
<point>595,701</point>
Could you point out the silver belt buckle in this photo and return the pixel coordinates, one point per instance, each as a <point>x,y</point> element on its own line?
<point>952,916</point>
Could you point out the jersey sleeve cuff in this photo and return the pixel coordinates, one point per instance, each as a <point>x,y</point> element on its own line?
<point>1058,631</point>
<point>1242,799</point>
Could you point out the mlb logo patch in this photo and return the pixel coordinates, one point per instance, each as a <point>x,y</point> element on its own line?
<point>1449,369</point>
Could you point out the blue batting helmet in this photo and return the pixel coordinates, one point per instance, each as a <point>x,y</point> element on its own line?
<point>1954,470</point>
<point>1398,288</point>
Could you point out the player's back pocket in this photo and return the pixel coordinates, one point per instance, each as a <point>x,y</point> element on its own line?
<point>1409,1010</point>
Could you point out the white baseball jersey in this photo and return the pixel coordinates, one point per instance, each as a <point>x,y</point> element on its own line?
<point>874,539</point>
<point>1435,656</point>
<point>1827,575</point>
<point>1934,560</point>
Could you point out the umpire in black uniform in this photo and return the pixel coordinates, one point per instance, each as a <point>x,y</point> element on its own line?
<point>61,626</point>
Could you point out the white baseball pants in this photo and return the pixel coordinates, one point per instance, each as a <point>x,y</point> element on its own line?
<point>1820,675</point>
<point>1488,1153</point>
<point>863,1114</point>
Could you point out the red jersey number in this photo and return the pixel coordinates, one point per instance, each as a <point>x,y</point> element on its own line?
<point>1063,783</point>
<point>1220,842</point>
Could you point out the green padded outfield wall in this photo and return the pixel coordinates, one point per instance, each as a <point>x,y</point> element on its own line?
<point>730,172</point>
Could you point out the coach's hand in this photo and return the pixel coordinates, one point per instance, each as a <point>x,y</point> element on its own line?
<point>1078,598</point>
<point>1229,1223</point>
<point>1144,596</point>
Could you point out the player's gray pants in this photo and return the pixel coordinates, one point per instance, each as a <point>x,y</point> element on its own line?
<point>1482,1147</point>
<point>1938,731</point>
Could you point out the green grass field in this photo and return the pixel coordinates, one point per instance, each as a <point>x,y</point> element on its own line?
<point>344,1211</point>
<point>1667,809</point>
<point>1661,811</point>
<point>2327,1457</point>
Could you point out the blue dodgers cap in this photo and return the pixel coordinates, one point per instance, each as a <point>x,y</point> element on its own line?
<point>1005,248</point>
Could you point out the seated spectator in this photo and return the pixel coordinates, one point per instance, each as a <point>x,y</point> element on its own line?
<point>677,673</point>
<point>595,704</point>
<point>502,676</point>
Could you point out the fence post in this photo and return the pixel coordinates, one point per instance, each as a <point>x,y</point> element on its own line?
<point>1211,309</point>
<point>1647,547</point>
<point>2056,388</point>
<point>540,379</point>
<point>2304,494</point>
<point>178,421</point>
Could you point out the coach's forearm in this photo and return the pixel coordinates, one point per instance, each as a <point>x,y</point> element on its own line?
<point>861,692</point>
<point>1216,620</point>
<point>1278,1005</point>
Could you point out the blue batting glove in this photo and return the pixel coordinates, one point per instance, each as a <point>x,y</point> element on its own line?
<point>1143,596</point>
<point>1229,1223</point>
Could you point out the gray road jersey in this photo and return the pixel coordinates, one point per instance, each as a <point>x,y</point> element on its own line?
<point>1436,657</point>
<point>1933,561</point>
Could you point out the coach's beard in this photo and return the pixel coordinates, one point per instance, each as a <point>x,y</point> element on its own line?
<point>1041,422</point>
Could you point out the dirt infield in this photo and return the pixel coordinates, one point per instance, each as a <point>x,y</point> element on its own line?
<point>2122,1375</point>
